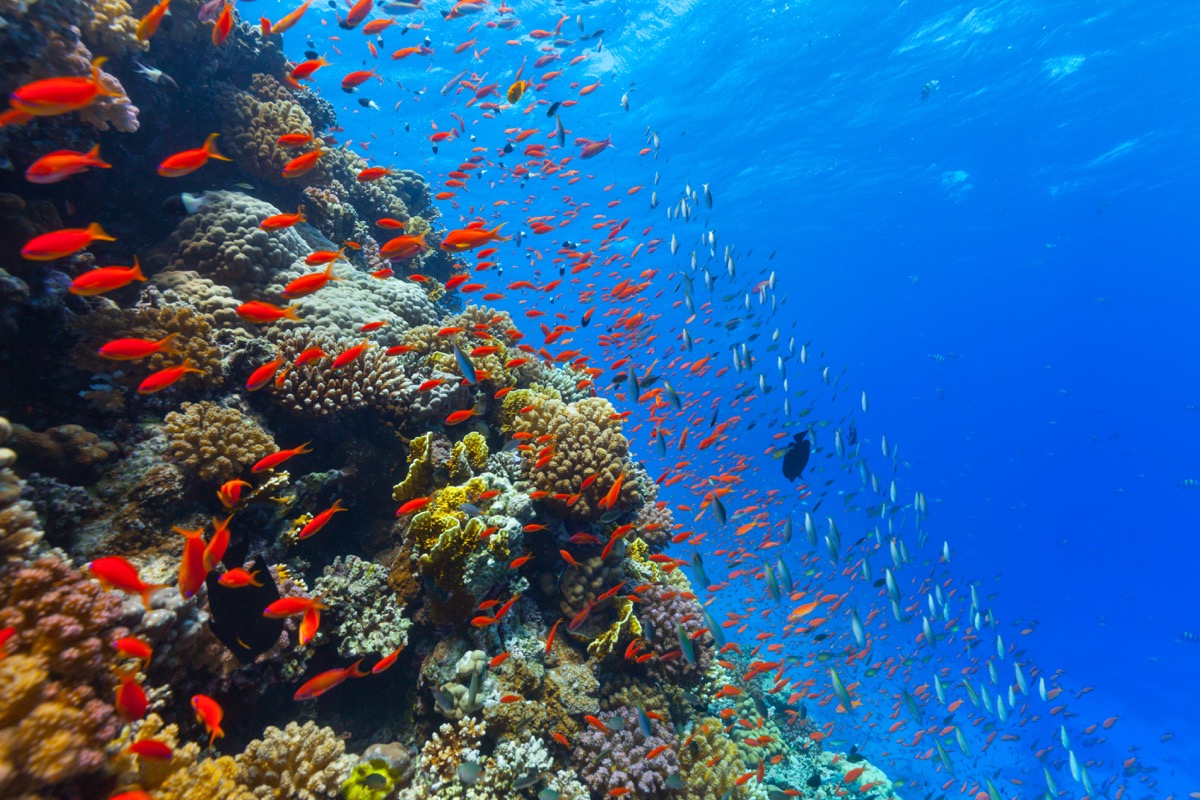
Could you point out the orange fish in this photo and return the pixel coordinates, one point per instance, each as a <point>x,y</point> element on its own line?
<point>132,349</point>
<point>310,354</point>
<point>277,222</point>
<point>319,521</point>
<point>372,174</point>
<point>148,24</point>
<point>214,552</point>
<point>520,561</point>
<point>130,701</point>
<point>290,19</point>
<point>63,243</point>
<point>192,571</point>
<point>52,96</point>
<point>327,680</point>
<point>261,312</point>
<point>115,572</point>
<point>348,356</point>
<point>302,164</point>
<point>231,492</point>
<point>264,374</point>
<point>188,161</point>
<point>359,77</point>
<point>403,247</point>
<point>133,647</point>
<point>209,713</point>
<point>275,459</point>
<point>595,723</point>
<point>309,624</point>
<point>292,607</point>
<point>294,139</point>
<point>320,257</point>
<point>238,577</point>
<point>462,416</point>
<point>62,164</point>
<point>413,506</point>
<point>106,279</point>
<point>168,377</point>
<point>312,282</point>
<point>151,749</point>
<point>469,238</point>
<point>387,661</point>
<point>305,69</point>
<point>223,26</point>
<point>498,660</point>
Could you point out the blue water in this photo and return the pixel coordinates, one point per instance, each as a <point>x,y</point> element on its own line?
<point>1006,265</point>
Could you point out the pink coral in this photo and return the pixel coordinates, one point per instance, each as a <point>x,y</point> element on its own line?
<point>617,759</point>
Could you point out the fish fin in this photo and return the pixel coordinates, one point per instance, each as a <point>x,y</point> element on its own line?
<point>290,312</point>
<point>137,270</point>
<point>210,147</point>
<point>167,344</point>
<point>99,233</point>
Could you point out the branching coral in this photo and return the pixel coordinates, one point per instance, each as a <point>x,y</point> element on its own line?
<point>216,443</point>
<point>302,762</point>
<point>614,760</point>
<point>54,723</point>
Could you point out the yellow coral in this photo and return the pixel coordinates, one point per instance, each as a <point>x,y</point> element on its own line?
<point>21,679</point>
<point>112,30</point>
<point>149,773</point>
<point>710,746</point>
<point>420,469</point>
<point>477,450</point>
<point>627,625</point>
<point>204,780</point>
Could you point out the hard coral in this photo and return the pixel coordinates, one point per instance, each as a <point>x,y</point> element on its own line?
<point>614,760</point>
<point>587,441</point>
<point>363,614</point>
<point>252,122</point>
<point>216,443</point>
<point>710,764</point>
<point>19,525</point>
<point>70,452</point>
<point>300,762</point>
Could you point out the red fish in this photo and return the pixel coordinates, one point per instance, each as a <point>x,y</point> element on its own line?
<point>413,506</point>
<point>52,96</point>
<point>292,607</point>
<point>148,24</point>
<point>130,701</point>
<point>327,680</point>
<point>262,313</point>
<point>209,713</point>
<point>309,624</point>
<point>319,521</point>
<point>132,349</point>
<point>290,19</point>
<point>302,164</point>
<point>277,222</point>
<point>188,161</point>
<point>191,567</point>
<point>310,283</point>
<point>223,26</point>
<point>469,238</point>
<point>291,140</point>
<point>305,69</point>
<point>133,647</point>
<point>230,492</point>
<point>264,374</point>
<point>595,148</point>
<point>238,577</point>
<point>359,77</point>
<point>168,377</point>
<point>214,552</point>
<point>151,749</point>
<point>63,243</point>
<point>357,13</point>
<point>62,164</point>
<point>387,661</point>
<point>349,356</point>
<point>106,279</point>
<point>275,459</point>
<point>462,416</point>
<point>403,247</point>
<point>115,572</point>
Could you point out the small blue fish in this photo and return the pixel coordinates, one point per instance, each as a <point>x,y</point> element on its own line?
<point>465,365</point>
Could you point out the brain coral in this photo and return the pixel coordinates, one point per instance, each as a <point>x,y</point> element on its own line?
<point>587,441</point>
<point>222,240</point>
<point>216,443</point>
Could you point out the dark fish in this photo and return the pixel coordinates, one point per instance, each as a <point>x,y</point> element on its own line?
<point>311,54</point>
<point>508,148</point>
<point>814,781</point>
<point>553,107</point>
<point>236,615</point>
<point>797,457</point>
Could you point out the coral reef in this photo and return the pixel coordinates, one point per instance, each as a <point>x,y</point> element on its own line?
<point>214,443</point>
<point>305,762</point>
<point>20,528</point>
<point>363,617</point>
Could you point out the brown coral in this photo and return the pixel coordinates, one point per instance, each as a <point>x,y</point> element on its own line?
<point>214,442</point>
<point>300,762</point>
<point>253,120</point>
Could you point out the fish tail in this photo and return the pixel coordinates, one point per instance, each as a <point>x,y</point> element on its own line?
<point>101,87</point>
<point>290,312</point>
<point>420,239</point>
<point>210,147</point>
<point>137,270</point>
<point>94,156</point>
<point>190,366</point>
<point>98,233</point>
<point>495,232</point>
<point>304,448</point>
<point>167,344</point>
<point>300,213</point>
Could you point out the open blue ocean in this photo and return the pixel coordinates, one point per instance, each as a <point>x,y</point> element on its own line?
<point>580,400</point>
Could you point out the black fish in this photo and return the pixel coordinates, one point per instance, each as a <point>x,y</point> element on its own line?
<point>236,615</point>
<point>796,458</point>
<point>311,54</point>
<point>814,781</point>
<point>508,148</point>
<point>553,107</point>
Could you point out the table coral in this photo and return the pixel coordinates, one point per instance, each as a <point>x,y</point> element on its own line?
<point>299,762</point>
<point>216,443</point>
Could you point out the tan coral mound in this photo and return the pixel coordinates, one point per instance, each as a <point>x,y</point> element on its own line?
<point>216,443</point>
